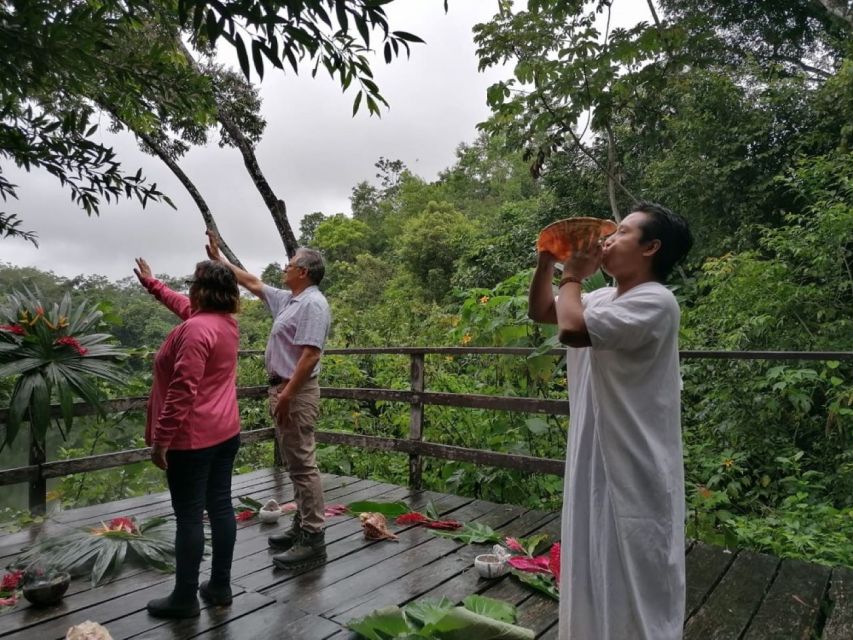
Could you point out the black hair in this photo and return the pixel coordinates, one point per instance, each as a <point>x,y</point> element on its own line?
<point>673,232</point>
<point>216,287</point>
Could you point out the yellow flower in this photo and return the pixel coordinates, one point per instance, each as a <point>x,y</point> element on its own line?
<point>484,299</point>
<point>466,338</point>
<point>728,463</point>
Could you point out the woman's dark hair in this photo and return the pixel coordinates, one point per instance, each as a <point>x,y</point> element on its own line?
<point>215,287</point>
<point>673,232</point>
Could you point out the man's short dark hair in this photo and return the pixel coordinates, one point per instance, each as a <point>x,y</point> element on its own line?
<point>216,287</point>
<point>312,261</point>
<point>673,232</point>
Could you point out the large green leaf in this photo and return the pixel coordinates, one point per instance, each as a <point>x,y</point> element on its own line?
<point>388,509</point>
<point>426,613</point>
<point>381,624</point>
<point>471,533</point>
<point>491,608</point>
<point>108,552</point>
<point>462,624</point>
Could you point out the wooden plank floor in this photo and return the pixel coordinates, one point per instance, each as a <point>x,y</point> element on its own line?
<point>730,595</point>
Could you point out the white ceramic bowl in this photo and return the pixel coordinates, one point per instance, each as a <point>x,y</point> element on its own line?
<point>268,516</point>
<point>490,566</point>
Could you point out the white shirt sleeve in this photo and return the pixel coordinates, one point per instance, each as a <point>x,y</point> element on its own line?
<point>631,320</point>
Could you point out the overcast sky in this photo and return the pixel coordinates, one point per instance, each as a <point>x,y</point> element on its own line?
<point>313,153</point>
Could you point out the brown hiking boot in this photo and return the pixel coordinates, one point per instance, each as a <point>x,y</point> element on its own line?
<point>309,551</point>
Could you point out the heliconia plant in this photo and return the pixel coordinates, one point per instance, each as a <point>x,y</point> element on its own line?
<point>57,355</point>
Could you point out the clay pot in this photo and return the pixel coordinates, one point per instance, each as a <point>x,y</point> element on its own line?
<point>46,591</point>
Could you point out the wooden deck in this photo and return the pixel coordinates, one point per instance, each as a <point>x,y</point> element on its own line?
<point>730,595</point>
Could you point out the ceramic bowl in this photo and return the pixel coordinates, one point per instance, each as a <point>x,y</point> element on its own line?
<point>44,592</point>
<point>490,566</point>
<point>268,516</point>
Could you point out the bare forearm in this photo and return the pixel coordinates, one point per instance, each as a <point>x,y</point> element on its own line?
<point>570,320</point>
<point>304,368</point>
<point>248,281</point>
<point>540,300</point>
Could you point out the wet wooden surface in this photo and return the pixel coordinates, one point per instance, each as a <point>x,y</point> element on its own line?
<point>729,594</point>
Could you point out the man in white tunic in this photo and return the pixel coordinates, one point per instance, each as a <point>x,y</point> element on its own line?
<point>623,504</point>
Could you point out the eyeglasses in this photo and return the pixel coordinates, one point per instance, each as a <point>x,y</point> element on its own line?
<point>291,264</point>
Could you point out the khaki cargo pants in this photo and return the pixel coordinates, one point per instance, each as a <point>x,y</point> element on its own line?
<point>295,437</point>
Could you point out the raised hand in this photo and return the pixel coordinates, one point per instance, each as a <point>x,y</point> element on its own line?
<point>142,270</point>
<point>585,259</point>
<point>212,247</point>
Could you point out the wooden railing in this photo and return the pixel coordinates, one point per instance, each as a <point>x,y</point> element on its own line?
<point>417,397</point>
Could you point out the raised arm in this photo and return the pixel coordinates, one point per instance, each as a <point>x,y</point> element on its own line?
<point>252,283</point>
<point>175,302</point>
<point>540,299</point>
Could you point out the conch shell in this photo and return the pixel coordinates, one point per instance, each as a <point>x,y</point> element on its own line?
<point>560,238</point>
<point>88,631</point>
<point>375,527</point>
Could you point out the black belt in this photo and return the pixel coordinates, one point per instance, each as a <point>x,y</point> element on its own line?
<point>275,380</point>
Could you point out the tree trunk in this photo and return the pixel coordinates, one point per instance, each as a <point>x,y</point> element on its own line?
<point>209,222</point>
<point>612,177</point>
<point>276,206</point>
<point>38,485</point>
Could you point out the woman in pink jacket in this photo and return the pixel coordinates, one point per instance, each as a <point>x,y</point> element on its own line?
<point>193,428</point>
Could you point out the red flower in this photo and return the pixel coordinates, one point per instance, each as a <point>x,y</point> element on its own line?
<point>11,580</point>
<point>514,545</point>
<point>539,564</point>
<point>244,515</point>
<point>8,602</point>
<point>333,510</point>
<point>72,342</point>
<point>122,524</point>
<point>13,328</point>
<point>554,563</point>
<point>413,517</point>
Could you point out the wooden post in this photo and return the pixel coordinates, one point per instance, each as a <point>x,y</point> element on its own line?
<point>416,420</point>
<point>38,485</point>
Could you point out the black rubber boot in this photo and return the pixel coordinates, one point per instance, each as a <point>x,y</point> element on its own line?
<point>287,539</point>
<point>309,551</point>
<point>172,607</point>
<point>217,596</point>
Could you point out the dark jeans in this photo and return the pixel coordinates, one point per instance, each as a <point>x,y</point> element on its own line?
<point>199,480</point>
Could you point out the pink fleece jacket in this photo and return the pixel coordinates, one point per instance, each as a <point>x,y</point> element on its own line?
<point>193,402</point>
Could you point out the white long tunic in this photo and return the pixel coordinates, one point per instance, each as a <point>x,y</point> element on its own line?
<point>623,502</point>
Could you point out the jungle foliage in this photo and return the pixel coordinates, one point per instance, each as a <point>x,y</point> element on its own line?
<point>738,119</point>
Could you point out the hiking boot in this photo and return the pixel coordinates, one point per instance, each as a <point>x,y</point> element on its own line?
<point>287,539</point>
<point>172,607</point>
<point>217,596</point>
<point>309,551</point>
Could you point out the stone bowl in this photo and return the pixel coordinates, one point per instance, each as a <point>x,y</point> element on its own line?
<point>490,566</point>
<point>268,516</point>
<point>44,592</point>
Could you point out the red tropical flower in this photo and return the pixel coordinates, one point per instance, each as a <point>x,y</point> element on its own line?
<point>244,515</point>
<point>554,563</point>
<point>13,328</point>
<point>416,517</point>
<point>8,602</point>
<point>123,524</point>
<point>11,580</point>
<point>413,517</point>
<point>539,564</point>
<point>72,342</point>
<point>514,545</point>
<point>333,510</point>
